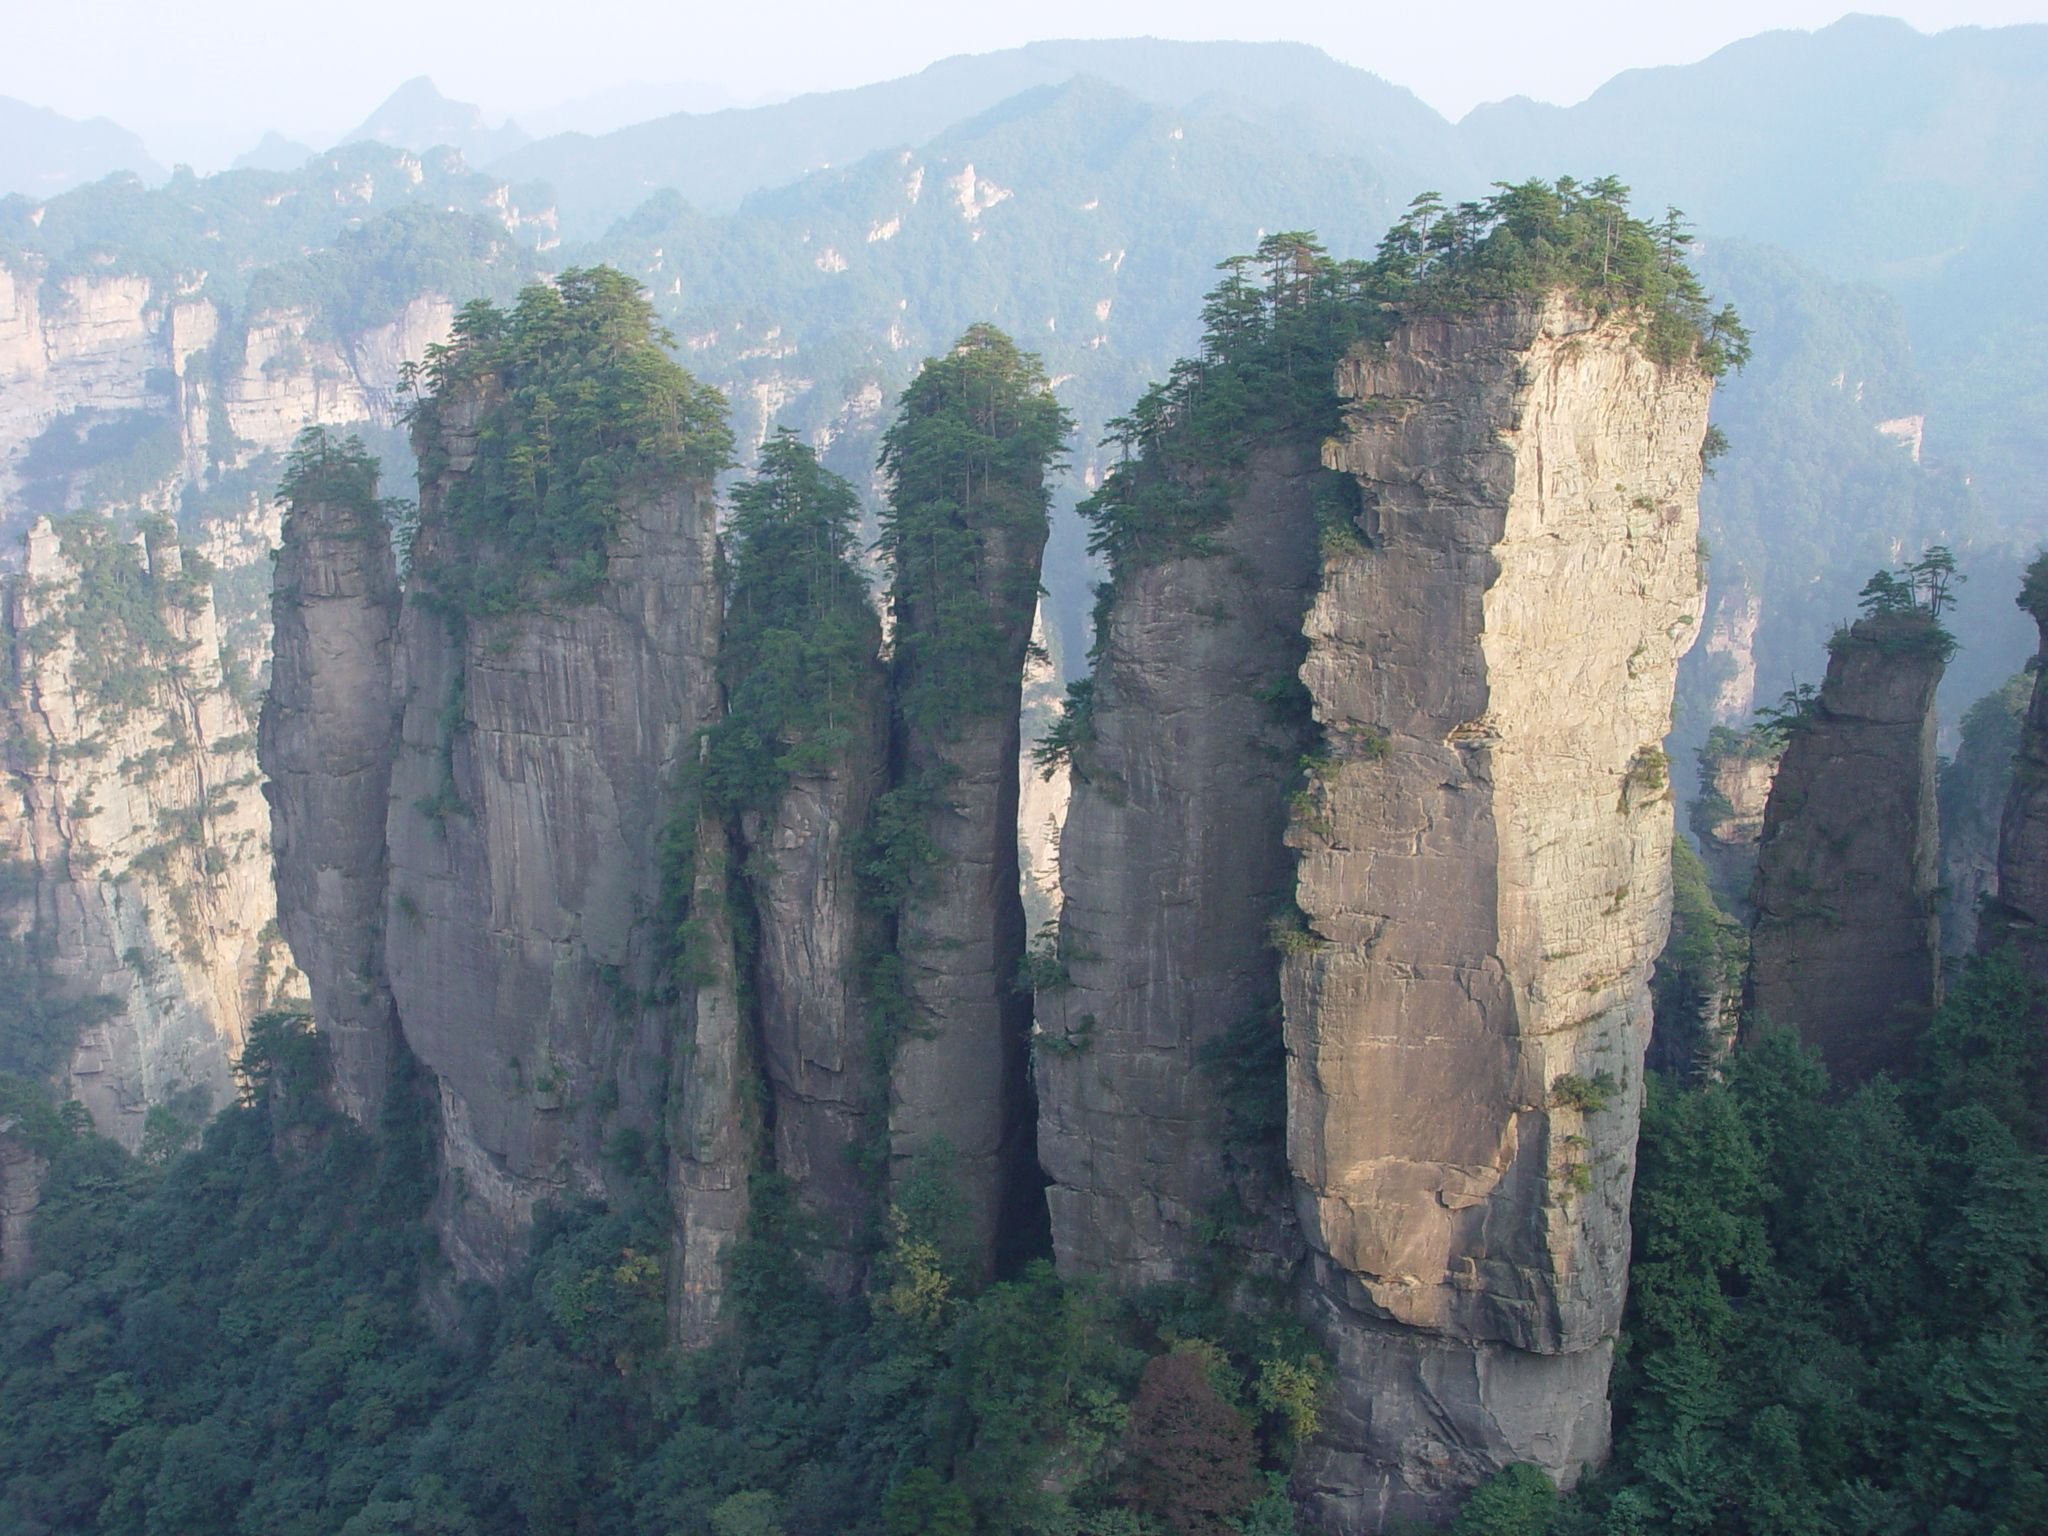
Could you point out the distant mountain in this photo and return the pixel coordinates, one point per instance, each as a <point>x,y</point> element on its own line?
<point>621,106</point>
<point>714,160</point>
<point>418,117</point>
<point>275,152</point>
<point>43,153</point>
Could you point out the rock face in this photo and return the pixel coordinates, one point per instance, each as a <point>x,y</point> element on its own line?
<point>134,817</point>
<point>22,1172</point>
<point>1846,944</point>
<point>814,932</point>
<point>328,734</point>
<point>2020,916</point>
<point>1728,818</point>
<point>1484,879</point>
<point>538,761</point>
<point>959,1079</point>
<point>1172,862</point>
<point>1972,789</point>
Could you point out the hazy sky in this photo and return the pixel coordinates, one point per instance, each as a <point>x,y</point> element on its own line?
<point>201,79</point>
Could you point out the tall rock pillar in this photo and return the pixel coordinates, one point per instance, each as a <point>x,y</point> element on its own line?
<point>326,739</point>
<point>1173,861</point>
<point>2020,915</point>
<point>964,535</point>
<point>1484,883</point>
<point>1846,947</point>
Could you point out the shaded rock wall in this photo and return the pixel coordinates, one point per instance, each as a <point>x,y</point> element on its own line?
<point>960,1076</point>
<point>1484,876</point>
<point>1846,946</point>
<point>2020,916</point>
<point>329,731</point>
<point>1728,819</point>
<point>813,934</point>
<point>1172,864</point>
<point>538,762</point>
<point>22,1172</point>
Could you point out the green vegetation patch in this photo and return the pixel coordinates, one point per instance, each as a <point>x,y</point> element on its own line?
<point>574,406</point>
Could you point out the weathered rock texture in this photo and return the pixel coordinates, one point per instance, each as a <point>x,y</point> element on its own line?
<point>2020,915</point>
<point>1728,818</point>
<point>539,758</point>
<point>1485,881</point>
<point>960,1075</point>
<point>814,932</point>
<point>1173,862</point>
<point>134,819</point>
<point>1972,788</point>
<point>22,1172</point>
<point>329,732</point>
<point>1846,947</point>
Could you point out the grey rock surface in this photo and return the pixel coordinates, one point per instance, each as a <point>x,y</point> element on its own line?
<point>1846,947</point>
<point>326,740</point>
<point>2020,916</point>
<point>1172,864</point>
<point>1484,879</point>
<point>538,766</point>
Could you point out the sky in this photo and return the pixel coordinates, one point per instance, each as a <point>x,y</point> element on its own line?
<point>202,80</point>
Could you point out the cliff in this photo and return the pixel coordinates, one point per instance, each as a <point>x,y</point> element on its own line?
<point>1971,790</point>
<point>964,536</point>
<point>2020,915</point>
<point>1846,944</point>
<point>327,738</point>
<point>22,1171</point>
<point>1172,864</point>
<point>1736,769</point>
<point>538,757</point>
<point>134,819</point>
<point>1484,882</point>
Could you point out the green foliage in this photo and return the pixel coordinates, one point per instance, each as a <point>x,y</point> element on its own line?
<point>2034,590</point>
<point>325,470</point>
<point>37,1030</point>
<point>1703,962</point>
<point>1519,1501</point>
<point>1835,1304</point>
<point>1073,730</point>
<point>1535,235</point>
<point>798,657</point>
<point>578,407</point>
<point>1247,1068</point>
<point>966,461</point>
<point>1587,1095</point>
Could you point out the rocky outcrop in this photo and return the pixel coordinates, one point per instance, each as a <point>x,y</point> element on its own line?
<point>1484,882</point>
<point>329,732</point>
<point>1728,817</point>
<point>814,933</point>
<point>2020,915</point>
<point>1173,863</point>
<point>539,758</point>
<point>959,1078</point>
<point>1846,944</point>
<point>22,1172</point>
<point>134,816</point>
<point>1972,788</point>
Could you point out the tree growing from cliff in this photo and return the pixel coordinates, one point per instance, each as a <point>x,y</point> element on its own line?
<point>576,405</point>
<point>966,461</point>
<point>800,633</point>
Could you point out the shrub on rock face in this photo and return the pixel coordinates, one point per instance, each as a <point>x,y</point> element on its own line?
<point>1188,1453</point>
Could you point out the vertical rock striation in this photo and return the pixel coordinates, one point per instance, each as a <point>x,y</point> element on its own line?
<point>964,536</point>
<point>539,757</point>
<point>328,734</point>
<point>1735,784</point>
<point>1484,879</point>
<point>2020,915</point>
<point>23,1168</point>
<point>1846,946</point>
<point>133,820</point>
<point>1172,863</point>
